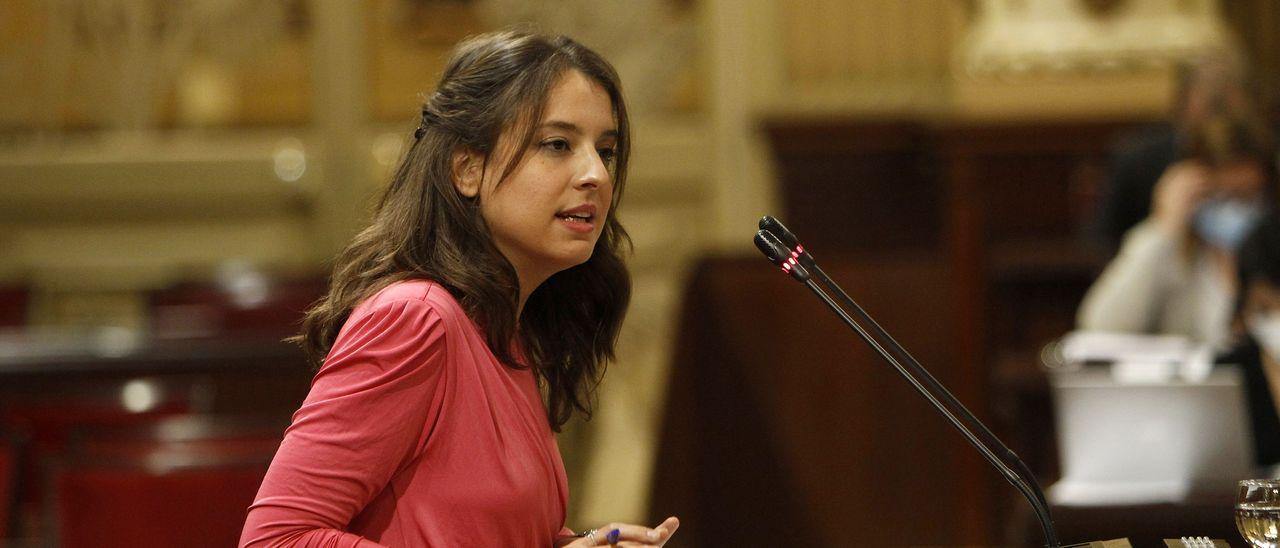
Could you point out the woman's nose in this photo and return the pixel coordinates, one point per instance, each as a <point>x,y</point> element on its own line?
<point>593,172</point>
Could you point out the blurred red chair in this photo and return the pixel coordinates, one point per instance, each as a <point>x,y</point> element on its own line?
<point>13,306</point>
<point>48,418</point>
<point>43,423</point>
<point>226,436</point>
<point>242,300</point>
<point>8,469</point>
<point>185,481</point>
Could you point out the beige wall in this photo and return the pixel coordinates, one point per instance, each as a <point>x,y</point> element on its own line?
<point>754,59</point>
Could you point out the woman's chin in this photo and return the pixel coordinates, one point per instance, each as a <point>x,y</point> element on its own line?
<point>568,261</point>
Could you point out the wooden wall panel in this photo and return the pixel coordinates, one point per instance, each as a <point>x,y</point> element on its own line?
<point>784,429</point>
<point>965,238</point>
<point>851,187</point>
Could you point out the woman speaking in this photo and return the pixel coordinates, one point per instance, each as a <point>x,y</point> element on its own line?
<point>469,320</point>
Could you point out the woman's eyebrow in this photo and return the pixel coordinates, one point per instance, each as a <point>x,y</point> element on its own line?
<point>573,128</point>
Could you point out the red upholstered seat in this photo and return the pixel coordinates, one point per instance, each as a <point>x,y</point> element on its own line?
<point>223,437</point>
<point>266,305</point>
<point>42,424</point>
<point>8,469</point>
<point>13,306</point>
<point>142,503</point>
<point>184,481</point>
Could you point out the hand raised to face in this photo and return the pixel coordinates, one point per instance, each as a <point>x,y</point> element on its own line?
<point>1177,195</point>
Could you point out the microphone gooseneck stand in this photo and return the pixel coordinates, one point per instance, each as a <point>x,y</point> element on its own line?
<point>775,227</point>
<point>797,262</point>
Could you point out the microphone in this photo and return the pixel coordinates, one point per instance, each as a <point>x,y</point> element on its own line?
<point>776,251</point>
<point>773,225</point>
<point>782,248</point>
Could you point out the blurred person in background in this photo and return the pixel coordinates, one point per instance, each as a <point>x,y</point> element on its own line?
<point>1175,272</point>
<point>1256,326</point>
<point>1212,87</point>
<point>469,321</point>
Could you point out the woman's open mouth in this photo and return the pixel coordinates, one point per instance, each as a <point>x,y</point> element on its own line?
<point>579,219</point>
<point>576,217</point>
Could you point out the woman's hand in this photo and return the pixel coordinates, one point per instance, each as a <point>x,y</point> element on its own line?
<point>1180,190</point>
<point>633,536</point>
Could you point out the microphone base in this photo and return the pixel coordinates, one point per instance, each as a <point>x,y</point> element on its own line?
<point>1113,543</point>
<point>1124,543</point>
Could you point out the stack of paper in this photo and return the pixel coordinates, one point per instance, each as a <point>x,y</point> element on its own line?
<point>1139,358</point>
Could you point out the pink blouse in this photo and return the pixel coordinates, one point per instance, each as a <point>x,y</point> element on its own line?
<point>414,434</point>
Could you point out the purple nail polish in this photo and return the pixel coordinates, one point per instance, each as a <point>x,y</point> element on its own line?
<point>613,536</point>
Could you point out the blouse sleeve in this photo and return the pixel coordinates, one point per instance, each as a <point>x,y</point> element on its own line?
<point>1130,294</point>
<point>368,414</point>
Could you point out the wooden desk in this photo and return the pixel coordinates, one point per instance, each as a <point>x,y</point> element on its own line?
<point>1204,513</point>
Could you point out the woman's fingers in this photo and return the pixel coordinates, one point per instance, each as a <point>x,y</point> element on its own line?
<point>671,524</point>
<point>628,533</point>
<point>646,537</point>
<point>666,529</point>
<point>636,535</point>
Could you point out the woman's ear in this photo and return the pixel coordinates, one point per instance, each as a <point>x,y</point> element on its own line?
<point>467,169</point>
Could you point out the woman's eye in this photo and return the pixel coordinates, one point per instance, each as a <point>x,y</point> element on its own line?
<point>558,145</point>
<point>607,154</point>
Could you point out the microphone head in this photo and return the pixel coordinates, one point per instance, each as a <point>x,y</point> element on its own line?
<point>776,251</point>
<point>772,247</point>
<point>774,226</point>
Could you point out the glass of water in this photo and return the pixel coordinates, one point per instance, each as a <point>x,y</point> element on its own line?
<point>1258,512</point>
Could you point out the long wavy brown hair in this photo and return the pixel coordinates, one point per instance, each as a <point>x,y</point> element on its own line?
<point>494,85</point>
